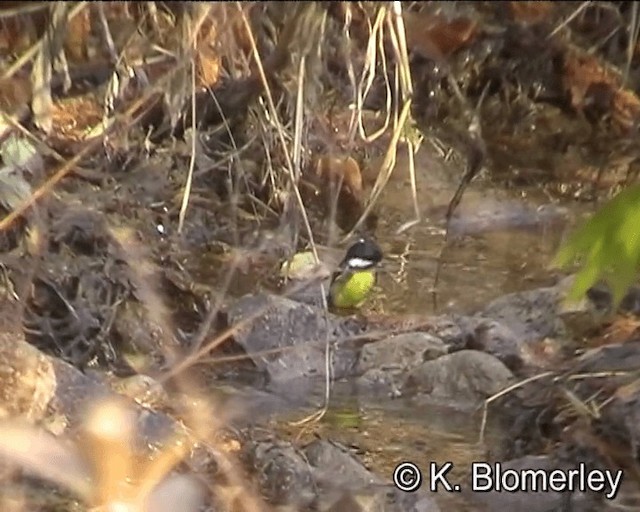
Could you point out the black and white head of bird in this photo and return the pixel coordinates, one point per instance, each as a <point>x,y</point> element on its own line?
<point>362,255</point>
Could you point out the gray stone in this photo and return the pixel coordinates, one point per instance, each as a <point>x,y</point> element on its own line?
<point>531,315</point>
<point>287,339</point>
<point>384,363</point>
<point>465,376</point>
<point>401,351</point>
<point>530,501</point>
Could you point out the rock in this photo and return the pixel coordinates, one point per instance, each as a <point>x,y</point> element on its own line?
<point>498,340</point>
<point>333,459</point>
<point>511,327</point>
<point>453,330</point>
<point>584,317</point>
<point>326,476</point>
<point>284,476</point>
<point>488,215</point>
<point>382,498</point>
<point>610,359</point>
<point>530,501</point>
<point>27,379</point>
<point>386,361</point>
<point>286,339</point>
<point>530,315</point>
<point>401,351</point>
<point>464,376</point>
<point>145,390</point>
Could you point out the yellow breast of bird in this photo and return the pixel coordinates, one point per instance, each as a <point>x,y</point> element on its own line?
<point>354,289</point>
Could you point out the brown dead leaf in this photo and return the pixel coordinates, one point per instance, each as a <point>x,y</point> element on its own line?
<point>14,92</point>
<point>543,353</point>
<point>626,108</point>
<point>530,12</point>
<point>17,34</point>
<point>595,89</point>
<point>621,330</point>
<point>435,37</point>
<point>343,172</point>
<point>341,186</point>
<point>580,72</point>
<point>77,36</point>
<point>72,120</point>
<point>208,60</point>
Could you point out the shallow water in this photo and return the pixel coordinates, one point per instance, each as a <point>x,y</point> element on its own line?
<point>500,241</point>
<point>386,432</point>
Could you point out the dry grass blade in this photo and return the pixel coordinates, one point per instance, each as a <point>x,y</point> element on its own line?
<point>42,104</point>
<point>386,168</point>
<point>279,129</point>
<point>49,54</point>
<point>24,9</point>
<point>375,46</point>
<point>634,32</point>
<point>393,21</point>
<point>411,150</point>
<point>42,454</point>
<point>569,19</point>
<point>504,392</point>
<point>399,39</point>
<point>201,15</point>
<point>110,428</point>
<point>192,161</point>
<point>580,407</point>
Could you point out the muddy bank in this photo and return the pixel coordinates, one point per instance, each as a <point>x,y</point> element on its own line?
<point>114,285</point>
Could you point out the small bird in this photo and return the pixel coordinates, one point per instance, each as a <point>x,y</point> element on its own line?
<point>356,277</point>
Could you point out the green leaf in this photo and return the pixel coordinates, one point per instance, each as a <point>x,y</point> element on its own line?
<point>607,246</point>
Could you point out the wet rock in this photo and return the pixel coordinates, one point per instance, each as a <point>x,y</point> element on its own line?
<point>602,299</point>
<point>141,334</point>
<point>145,390</point>
<point>401,351</point>
<point>621,357</point>
<point>46,390</point>
<point>326,476</point>
<point>385,362</point>
<point>284,476</point>
<point>27,379</point>
<point>286,339</point>
<point>382,498</point>
<point>498,340</point>
<point>464,376</point>
<point>532,501</point>
<point>511,326</point>
<point>333,459</point>
<point>453,330</point>
<point>584,317</point>
<point>529,315</point>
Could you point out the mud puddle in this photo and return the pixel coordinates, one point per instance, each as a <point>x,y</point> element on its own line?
<point>388,432</point>
<point>501,241</point>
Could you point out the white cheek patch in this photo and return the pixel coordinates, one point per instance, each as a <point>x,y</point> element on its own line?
<point>360,263</point>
